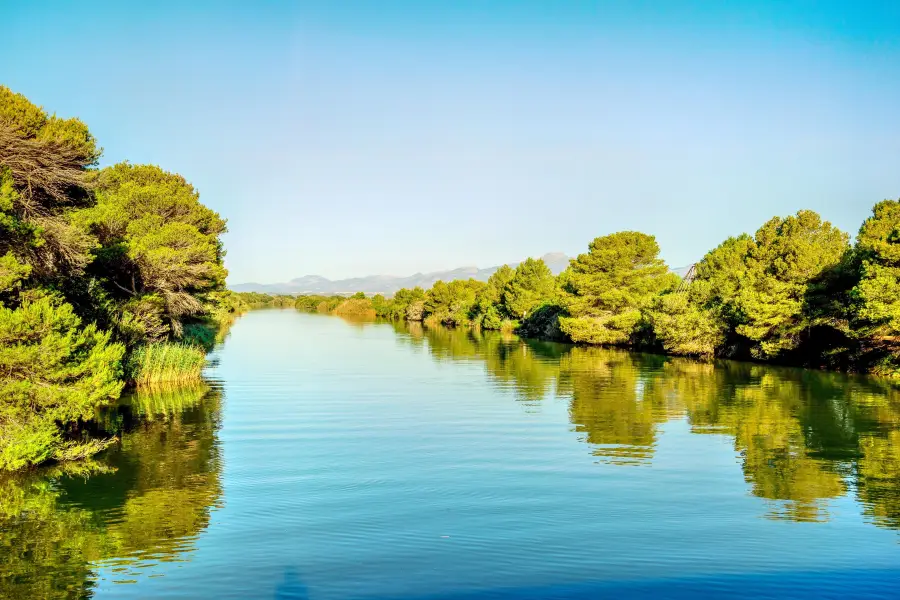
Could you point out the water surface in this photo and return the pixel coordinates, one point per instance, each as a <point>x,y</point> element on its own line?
<point>331,459</point>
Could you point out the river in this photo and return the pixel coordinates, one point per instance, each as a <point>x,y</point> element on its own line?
<point>326,458</point>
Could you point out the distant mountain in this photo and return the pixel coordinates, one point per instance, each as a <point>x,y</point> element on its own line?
<point>384,284</point>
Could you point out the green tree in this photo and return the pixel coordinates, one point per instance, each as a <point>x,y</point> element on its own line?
<point>787,257</point>
<point>684,326</point>
<point>607,287</point>
<point>381,305</point>
<point>397,307</point>
<point>531,285</point>
<point>759,296</point>
<point>43,179</point>
<point>490,311</point>
<point>161,254</point>
<point>52,370</point>
<point>452,303</point>
<point>699,320</point>
<point>876,296</point>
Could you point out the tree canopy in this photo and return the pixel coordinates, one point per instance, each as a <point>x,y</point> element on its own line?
<point>607,288</point>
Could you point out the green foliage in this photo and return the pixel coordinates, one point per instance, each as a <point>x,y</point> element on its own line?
<point>381,305</point>
<point>201,335</point>
<point>43,179</point>
<point>878,250</point>
<point>876,296</point>
<point>91,263</point>
<point>762,296</point>
<point>19,114</point>
<point>543,323</point>
<point>452,303</point>
<point>607,288</point>
<point>150,495</point>
<point>159,245</point>
<point>490,309</point>
<point>491,318</point>
<point>52,370</point>
<point>12,272</point>
<point>531,285</point>
<point>788,256</point>
<point>685,327</point>
<point>399,306</point>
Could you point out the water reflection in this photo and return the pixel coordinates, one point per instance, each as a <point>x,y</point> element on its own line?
<point>142,502</point>
<point>803,438</point>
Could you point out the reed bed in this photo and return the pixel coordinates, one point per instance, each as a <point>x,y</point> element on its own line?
<point>166,362</point>
<point>355,307</point>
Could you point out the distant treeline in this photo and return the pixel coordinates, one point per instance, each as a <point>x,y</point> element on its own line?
<point>107,277</point>
<point>796,292</point>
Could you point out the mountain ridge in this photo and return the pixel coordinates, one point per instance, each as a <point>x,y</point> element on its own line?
<point>385,284</point>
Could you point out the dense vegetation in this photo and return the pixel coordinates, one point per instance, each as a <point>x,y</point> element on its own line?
<point>795,292</point>
<point>107,277</point>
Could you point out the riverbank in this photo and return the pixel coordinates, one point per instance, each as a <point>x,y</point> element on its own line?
<point>796,292</point>
<point>109,278</point>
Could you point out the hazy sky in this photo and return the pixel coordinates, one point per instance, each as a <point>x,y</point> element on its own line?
<point>350,138</point>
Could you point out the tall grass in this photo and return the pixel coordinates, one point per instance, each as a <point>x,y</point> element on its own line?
<point>166,362</point>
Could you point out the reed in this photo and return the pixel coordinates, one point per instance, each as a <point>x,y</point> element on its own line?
<point>166,362</point>
<point>355,307</point>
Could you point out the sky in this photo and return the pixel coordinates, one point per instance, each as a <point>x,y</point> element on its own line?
<point>348,138</point>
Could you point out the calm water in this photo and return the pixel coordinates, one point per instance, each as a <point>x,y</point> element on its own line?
<point>330,459</point>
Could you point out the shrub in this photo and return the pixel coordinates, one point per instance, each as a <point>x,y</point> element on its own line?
<point>355,307</point>
<point>52,370</point>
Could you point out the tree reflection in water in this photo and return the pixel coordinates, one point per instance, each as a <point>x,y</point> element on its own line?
<point>142,502</point>
<point>803,437</point>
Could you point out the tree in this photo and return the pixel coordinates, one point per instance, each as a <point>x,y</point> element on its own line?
<point>452,303</point>
<point>759,296</point>
<point>43,178</point>
<point>606,288</point>
<point>701,319</point>
<point>160,249</point>
<point>685,327</point>
<point>490,311</point>
<point>52,370</point>
<point>396,307</point>
<point>788,256</point>
<point>531,285</point>
<point>876,296</point>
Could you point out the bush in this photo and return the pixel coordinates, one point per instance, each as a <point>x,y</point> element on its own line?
<point>355,307</point>
<point>52,370</point>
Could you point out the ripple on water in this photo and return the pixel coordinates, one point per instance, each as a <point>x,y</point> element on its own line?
<point>330,460</point>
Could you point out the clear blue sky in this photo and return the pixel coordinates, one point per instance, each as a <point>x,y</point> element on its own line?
<point>350,138</point>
